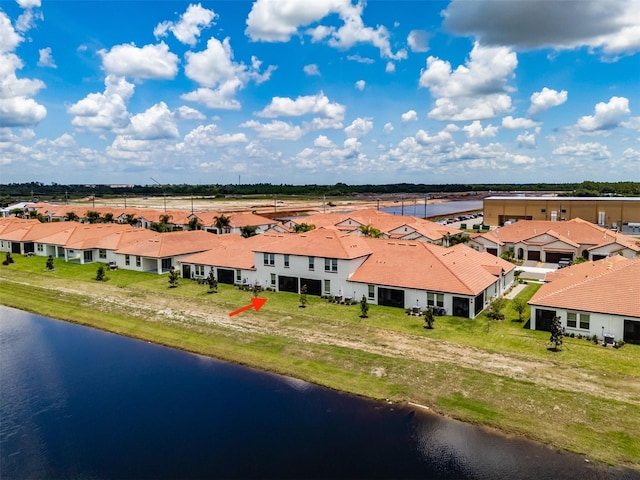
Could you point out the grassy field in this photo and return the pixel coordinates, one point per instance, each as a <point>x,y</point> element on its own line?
<point>584,399</point>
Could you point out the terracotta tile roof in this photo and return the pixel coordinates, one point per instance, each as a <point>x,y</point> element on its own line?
<point>611,285</point>
<point>36,232</point>
<point>238,220</point>
<point>236,254</point>
<point>107,236</point>
<point>576,230</point>
<point>424,266</point>
<point>170,244</point>
<point>318,243</point>
<point>9,224</point>
<point>385,222</point>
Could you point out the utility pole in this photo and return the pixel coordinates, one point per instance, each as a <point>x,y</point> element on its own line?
<point>426,197</point>
<point>164,195</point>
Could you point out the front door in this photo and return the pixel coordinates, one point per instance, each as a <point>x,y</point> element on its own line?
<point>186,271</point>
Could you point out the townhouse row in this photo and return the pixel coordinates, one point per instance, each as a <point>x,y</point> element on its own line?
<point>393,272</point>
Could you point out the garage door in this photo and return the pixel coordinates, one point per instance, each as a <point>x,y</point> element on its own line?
<point>533,255</point>
<point>555,257</point>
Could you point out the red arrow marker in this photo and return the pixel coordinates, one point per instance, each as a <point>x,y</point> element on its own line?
<point>256,303</point>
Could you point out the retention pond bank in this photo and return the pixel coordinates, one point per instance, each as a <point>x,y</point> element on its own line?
<point>585,399</point>
<point>81,403</point>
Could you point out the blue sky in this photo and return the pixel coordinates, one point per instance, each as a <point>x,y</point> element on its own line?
<point>323,91</point>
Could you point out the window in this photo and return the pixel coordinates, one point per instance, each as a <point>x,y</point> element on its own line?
<point>127,261</point>
<point>238,276</point>
<point>40,247</point>
<point>571,319</point>
<point>286,261</point>
<point>331,265</point>
<point>138,261</point>
<point>102,253</point>
<point>584,321</point>
<point>327,286</point>
<point>311,263</point>
<point>435,299</point>
<point>273,279</point>
<point>372,291</point>
<point>199,270</point>
<point>270,259</point>
<point>166,263</point>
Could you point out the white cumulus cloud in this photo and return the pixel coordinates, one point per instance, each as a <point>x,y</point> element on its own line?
<point>607,115</point>
<point>104,111</point>
<point>360,85</point>
<point>187,30</point>
<point>311,70</point>
<point>545,99</point>
<point>476,90</point>
<point>359,128</point>
<point>148,62</point>
<point>279,20</point>
<point>46,58</point>
<point>409,116</point>
<point>516,123</point>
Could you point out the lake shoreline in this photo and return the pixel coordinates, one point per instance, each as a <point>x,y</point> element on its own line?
<point>211,341</point>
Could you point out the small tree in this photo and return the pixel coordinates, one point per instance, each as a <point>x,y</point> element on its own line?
<point>429,318</point>
<point>303,227</point>
<point>364,307</point>
<point>303,296</point>
<point>8,259</point>
<point>212,282</point>
<point>256,289</point>
<point>495,309</point>
<point>100,274</point>
<point>173,278</point>
<point>49,264</point>
<point>556,334</point>
<point>519,305</point>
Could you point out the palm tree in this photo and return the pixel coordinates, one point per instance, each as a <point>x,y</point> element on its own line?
<point>370,231</point>
<point>194,223</point>
<point>222,223</point>
<point>92,216</point>
<point>131,219</point>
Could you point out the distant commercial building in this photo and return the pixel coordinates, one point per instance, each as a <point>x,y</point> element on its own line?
<point>610,212</point>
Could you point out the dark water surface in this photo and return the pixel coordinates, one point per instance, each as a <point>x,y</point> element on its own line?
<point>78,403</point>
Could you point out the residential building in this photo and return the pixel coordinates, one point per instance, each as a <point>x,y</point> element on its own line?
<point>549,242</point>
<point>593,298</point>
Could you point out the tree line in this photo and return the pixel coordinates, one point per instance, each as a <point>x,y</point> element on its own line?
<point>31,191</point>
